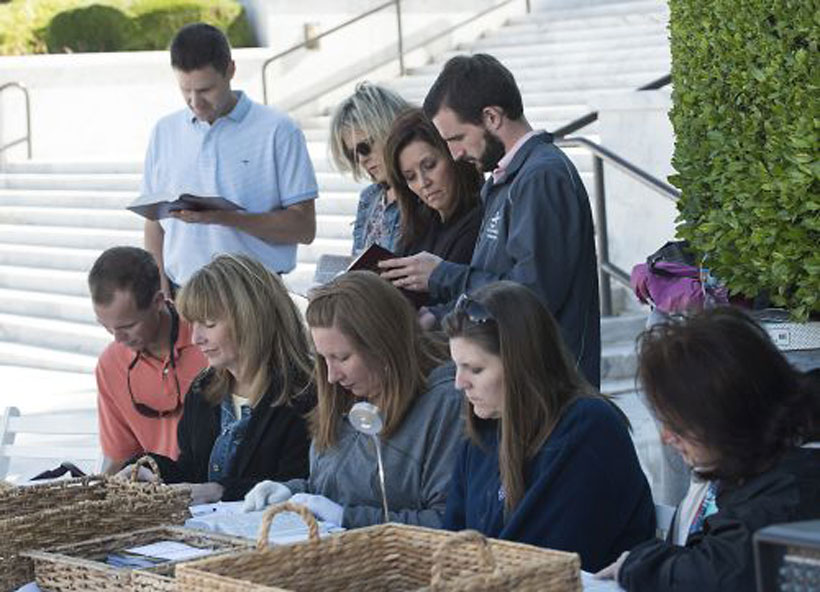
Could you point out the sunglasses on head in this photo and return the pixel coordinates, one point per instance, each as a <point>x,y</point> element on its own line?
<point>363,149</point>
<point>473,310</point>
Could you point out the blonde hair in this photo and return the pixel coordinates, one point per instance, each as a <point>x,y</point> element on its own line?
<point>381,325</point>
<point>263,320</point>
<point>371,109</point>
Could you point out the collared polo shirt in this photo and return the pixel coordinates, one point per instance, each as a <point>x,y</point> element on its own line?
<point>254,156</point>
<point>123,431</point>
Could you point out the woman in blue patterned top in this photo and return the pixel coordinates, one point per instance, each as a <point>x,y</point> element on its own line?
<point>243,418</point>
<point>358,129</point>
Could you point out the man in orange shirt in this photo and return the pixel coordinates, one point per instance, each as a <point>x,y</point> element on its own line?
<point>144,374</point>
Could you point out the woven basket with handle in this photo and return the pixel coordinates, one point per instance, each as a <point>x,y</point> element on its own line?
<point>81,566</point>
<point>63,512</point>
<point>390,557</point>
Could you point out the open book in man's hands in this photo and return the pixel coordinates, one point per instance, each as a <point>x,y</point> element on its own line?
<point>160,205</point>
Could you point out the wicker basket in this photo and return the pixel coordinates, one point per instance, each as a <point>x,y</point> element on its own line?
<point>81,566</point>
<point>39,516</point>
<point>389,557</point>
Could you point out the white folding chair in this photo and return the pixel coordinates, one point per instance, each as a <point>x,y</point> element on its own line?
<point>35,442</point>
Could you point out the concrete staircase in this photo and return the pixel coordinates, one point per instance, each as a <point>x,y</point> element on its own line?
<point>56,217</point>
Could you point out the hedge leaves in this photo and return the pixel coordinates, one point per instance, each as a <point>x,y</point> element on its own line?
<point>746,118</point>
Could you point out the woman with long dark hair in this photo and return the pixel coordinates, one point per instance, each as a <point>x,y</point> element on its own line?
<point>549,460</point>
<point>438,197</point>
<point>747,423</point>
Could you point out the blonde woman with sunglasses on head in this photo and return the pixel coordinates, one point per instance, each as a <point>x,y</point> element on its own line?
<point>358,129</point>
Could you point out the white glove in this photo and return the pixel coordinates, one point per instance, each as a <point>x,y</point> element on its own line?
<point>264,494</point>
<point>323,508</point>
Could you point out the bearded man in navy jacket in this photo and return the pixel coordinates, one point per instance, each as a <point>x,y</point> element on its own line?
<point>537,228</point>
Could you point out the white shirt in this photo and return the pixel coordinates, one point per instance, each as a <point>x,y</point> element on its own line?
<point>254,156</point>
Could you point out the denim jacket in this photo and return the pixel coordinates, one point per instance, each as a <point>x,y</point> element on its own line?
<point>366,229</point>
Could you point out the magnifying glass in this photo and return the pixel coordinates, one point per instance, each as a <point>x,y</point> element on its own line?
<point>365,418</point>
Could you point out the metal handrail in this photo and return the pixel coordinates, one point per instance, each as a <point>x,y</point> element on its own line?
<point>400,49</point>
<point>27,137</point>
<point>584,120</point>
<point>607,269</point>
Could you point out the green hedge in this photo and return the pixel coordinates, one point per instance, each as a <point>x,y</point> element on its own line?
<point>55,26</point>
<point>746,118</point>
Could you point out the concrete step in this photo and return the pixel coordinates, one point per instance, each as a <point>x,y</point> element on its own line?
<point>72,283</point>
<point>72,217</point>
<point>543,22</point>
<point>630,80</point>
<point>76,181</point>
<point>561,97</point>
<point>331,202</point>
<point>564,73</point>
<point>610,56</point>
<point>78,238</point>
<point>72,198</point>
<point>78,338</point>
<point>19,354</point>
<point>592,11</point>
<point>556,35</point>
<point>48,257</point>
<point>73,167</point>
<point>618,361</point>
<point>47,305</point>
<point>502,52</point>
<point>330,226</point>
<point>559,112</point>
<point>622,329</point>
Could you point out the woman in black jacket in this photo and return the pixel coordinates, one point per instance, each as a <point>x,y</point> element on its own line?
<point>438,197</point>
<point>747,422</point>
<point>244,415</point>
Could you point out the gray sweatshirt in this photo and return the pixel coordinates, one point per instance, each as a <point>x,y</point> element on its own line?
<point>418,462</point>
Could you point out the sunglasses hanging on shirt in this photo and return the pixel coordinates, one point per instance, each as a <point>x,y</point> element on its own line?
<point>142,408</point>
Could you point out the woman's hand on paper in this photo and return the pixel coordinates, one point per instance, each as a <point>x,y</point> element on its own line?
<point>202,493</point>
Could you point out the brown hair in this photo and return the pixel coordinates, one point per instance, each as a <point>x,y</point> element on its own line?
<point>381,324</point>
<point>264,323</point>
<point>540,379</point>
<point>413,126</point>
<point>718,379</point>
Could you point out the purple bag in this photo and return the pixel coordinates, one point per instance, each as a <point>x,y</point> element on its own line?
<point>676,288</point>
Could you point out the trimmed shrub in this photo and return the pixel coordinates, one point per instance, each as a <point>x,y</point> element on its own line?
<point>158,20</point>
<point>39,27</point>
<point>746,118</point>
<point>92,28</point>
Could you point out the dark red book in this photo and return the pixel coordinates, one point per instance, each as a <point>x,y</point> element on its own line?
<point>369,259</point>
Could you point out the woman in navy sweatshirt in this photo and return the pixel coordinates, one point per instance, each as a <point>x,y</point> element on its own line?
<point>549,461</point>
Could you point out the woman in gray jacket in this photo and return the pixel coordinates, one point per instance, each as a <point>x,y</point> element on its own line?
<point>370,347</point>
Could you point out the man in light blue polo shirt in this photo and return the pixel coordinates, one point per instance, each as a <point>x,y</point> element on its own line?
<point>226,145</point>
